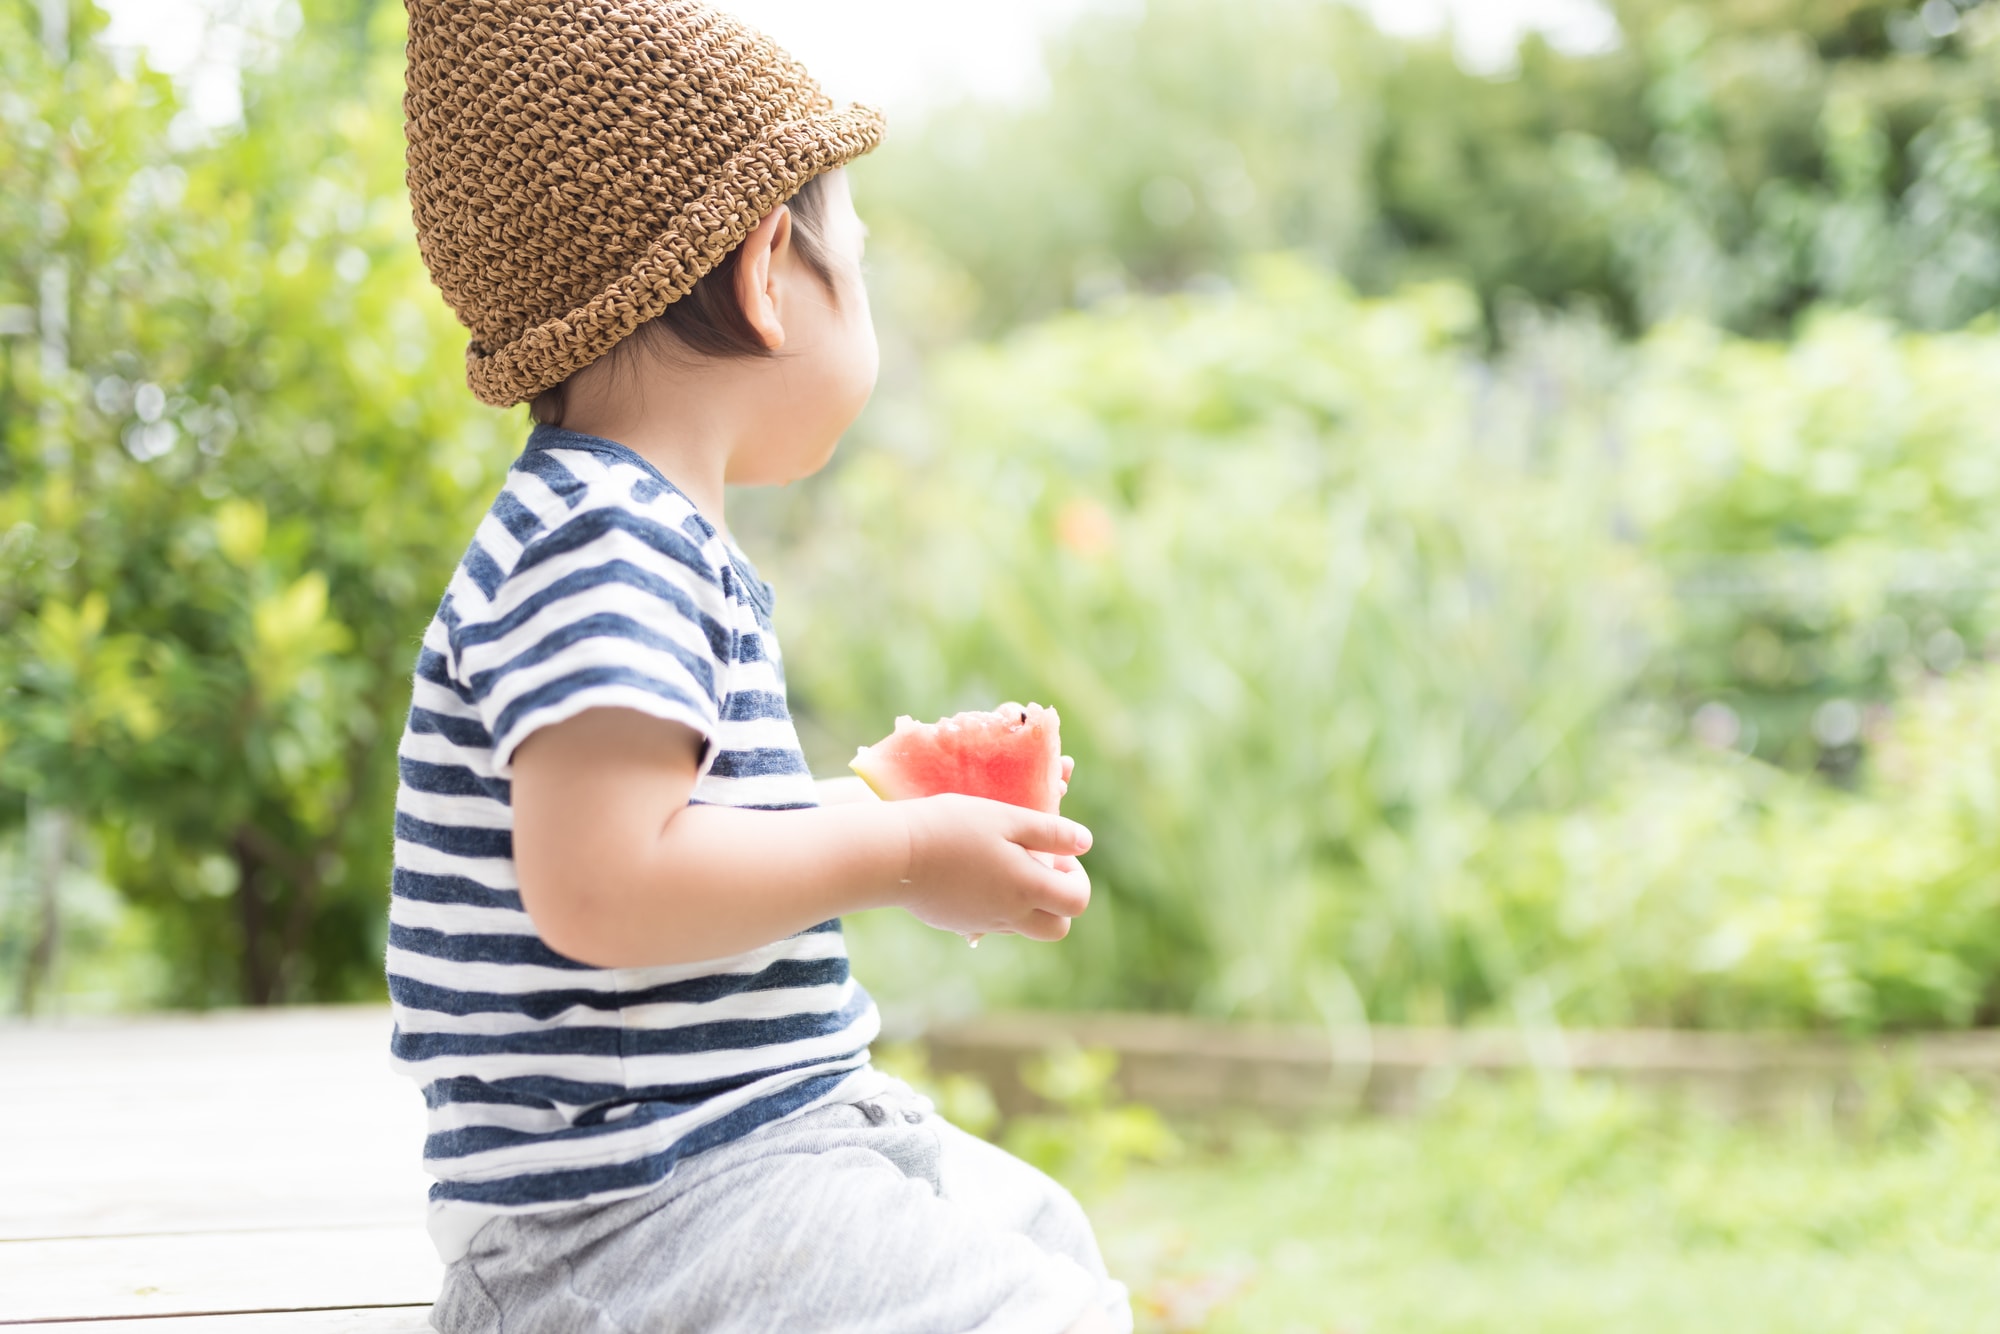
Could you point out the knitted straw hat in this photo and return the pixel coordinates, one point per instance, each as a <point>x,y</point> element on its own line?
<point>575,166</point>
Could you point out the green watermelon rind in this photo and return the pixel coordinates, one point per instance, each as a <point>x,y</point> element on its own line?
<point>860,756</point>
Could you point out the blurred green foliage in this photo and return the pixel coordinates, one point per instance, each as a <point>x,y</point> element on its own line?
<point>1585,622</point>
<point>228,503</point>
<point>1732,895</point>
<point>1087,1137</point>
<point>1233,540</point>
<point>1734,161</point>
<point>964,1100</point>
<point>1415,686</point>
<point>1506,1209</point>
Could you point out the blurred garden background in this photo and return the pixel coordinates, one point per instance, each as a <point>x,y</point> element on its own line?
<point>1512,535</point>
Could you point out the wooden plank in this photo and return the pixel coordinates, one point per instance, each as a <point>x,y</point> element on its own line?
<point>379,1320</point>
<point>1196,1066</point>
<point>213,1273</point>
<point>206,1124</point>
<point>243,1162</point>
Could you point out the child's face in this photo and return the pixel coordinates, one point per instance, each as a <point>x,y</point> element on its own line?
<point>821,378</point>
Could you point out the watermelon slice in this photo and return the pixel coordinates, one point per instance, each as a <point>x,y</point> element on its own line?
<point>1013,754</point>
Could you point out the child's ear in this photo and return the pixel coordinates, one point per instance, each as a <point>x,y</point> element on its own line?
<point>756,293</point>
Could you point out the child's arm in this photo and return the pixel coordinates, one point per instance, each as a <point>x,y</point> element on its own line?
<point>617,870</point>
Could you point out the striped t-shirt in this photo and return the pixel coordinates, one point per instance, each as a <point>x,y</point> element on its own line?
<point>592,583</point>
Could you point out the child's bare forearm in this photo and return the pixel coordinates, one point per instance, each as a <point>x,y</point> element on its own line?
<point>617,868</point>
<point>718,881</point>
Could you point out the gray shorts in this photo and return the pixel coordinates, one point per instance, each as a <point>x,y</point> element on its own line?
<point>870,1214</point>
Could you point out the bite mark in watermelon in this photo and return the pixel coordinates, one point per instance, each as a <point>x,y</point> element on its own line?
<point>1012,754</point>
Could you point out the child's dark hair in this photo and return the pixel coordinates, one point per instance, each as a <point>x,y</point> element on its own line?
<point>709,320</point>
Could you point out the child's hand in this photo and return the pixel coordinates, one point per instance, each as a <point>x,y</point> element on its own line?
<point>973,869</point>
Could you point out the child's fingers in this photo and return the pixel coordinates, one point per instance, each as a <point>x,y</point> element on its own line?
<point>1044,926</point>
<point>1064,892</point>
<point>1068,768</point>
<point>1038,832</point>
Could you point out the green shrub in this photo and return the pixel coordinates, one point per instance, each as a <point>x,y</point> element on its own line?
<point>1378,661</point>
<point>1087,1138</point>
<point>227,509</point>
<point>1231,540</point>
<point>1726,894</point>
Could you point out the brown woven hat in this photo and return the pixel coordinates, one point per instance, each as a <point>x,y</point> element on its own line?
<point>575,166</point>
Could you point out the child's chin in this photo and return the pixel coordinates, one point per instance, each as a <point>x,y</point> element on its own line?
<point>790,468</point>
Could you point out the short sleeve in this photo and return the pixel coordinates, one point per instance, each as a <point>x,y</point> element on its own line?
<point>608,608</point>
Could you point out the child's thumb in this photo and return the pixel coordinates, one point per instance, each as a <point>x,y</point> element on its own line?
<point>1052,833</point>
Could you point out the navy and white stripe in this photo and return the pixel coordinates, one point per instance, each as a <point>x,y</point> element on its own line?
<point>592,583</point>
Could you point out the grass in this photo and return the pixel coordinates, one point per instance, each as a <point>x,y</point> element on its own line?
<point>1506,1210</point>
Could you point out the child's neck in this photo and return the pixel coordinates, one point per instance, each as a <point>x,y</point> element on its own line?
<point>690,446</point>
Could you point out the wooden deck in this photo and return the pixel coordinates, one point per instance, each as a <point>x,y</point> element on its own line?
<point>241,1174</point>
<point>254,1173</point>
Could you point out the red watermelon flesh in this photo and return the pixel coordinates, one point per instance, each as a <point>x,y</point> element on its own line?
<point>1013,754</point>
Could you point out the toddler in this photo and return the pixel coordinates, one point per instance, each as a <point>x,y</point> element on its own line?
<point>614,945</point>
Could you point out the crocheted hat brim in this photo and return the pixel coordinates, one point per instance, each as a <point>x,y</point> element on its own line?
<point>748,188</point>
